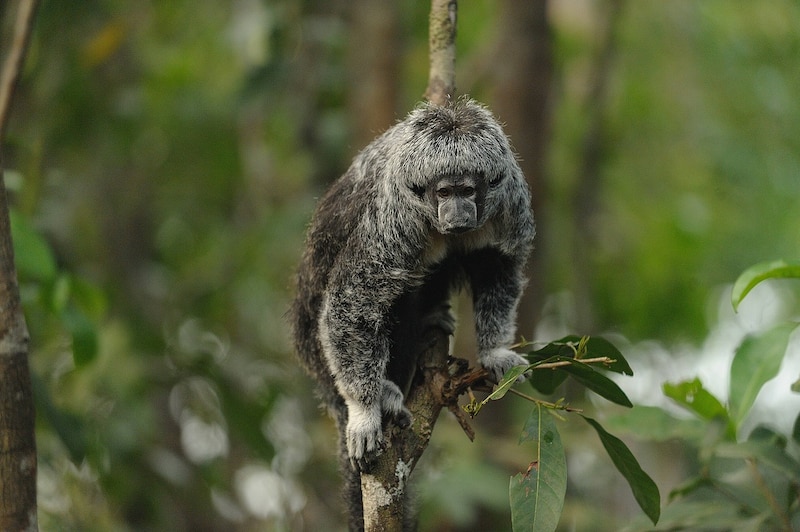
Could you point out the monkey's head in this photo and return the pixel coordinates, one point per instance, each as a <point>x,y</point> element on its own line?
<point>458,200</point>
<point>454,165</point>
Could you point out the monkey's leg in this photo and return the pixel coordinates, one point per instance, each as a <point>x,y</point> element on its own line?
<point>497,283</point>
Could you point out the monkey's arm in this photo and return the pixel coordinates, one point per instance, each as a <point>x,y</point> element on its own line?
<point>497,282</point>
<point>355,333</point>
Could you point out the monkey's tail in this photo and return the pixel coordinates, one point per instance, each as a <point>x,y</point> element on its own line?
<point>351,478</point>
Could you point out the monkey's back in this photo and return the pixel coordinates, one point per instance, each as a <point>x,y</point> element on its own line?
<point>334,222</point>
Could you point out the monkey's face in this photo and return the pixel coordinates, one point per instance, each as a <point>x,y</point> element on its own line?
<point>458,201</point>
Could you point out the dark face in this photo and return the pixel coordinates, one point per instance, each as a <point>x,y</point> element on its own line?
<point>459,202</point>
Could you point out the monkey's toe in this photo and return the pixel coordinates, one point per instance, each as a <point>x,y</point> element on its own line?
<point>498,361</point>
<point>402,418</point>
<point>440,318</point>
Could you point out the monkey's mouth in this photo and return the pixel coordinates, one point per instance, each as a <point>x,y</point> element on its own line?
<point>457,229</point>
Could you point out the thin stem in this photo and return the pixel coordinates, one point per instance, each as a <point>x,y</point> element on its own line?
<point>562,363</point>
<point>762,486</point>
<point>546,404</point>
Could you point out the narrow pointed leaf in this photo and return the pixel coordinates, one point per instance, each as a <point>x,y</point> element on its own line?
<point>594,346</point>
<point>757,360</point>
<point>558,348</point>
<point>755,274</point>
<point>600,347</point>
<point>546,381</point>
<point>537,495</point>
<point>505,384</point>
<point>644,489</point>
<point>598,383</point>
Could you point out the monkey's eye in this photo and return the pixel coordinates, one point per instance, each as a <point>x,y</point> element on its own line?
<point>469,191</point>
<point>496,181</point>
<point>443,192</point>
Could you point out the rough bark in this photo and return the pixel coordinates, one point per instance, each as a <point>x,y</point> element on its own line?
<point>442,46</point>
<point>384,487</point>
<point>17,437</point>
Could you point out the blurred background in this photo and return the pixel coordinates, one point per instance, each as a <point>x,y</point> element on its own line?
<point>164,158</point>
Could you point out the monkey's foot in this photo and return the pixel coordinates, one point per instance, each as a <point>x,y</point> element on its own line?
<point>364,432</point>
<point>440,318</point>
<point>364,435</point>
<point>392,405</point>
<point>499,360</point>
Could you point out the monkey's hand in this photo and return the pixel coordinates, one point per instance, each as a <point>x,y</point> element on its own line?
<point>364,431</point>
<point>499,360</point>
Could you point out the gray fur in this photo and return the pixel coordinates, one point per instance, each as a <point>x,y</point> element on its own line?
<point>384,250</point>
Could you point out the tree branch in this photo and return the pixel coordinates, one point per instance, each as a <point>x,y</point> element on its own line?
<point>17,436</point>
<point>383,488</point>
<point>442,50</point>
<point>13,63</point>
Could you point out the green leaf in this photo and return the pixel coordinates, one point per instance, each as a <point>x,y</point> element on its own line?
<point>600,347</point>
<point>546,381</point>
<point>537,496</point>
<point>796,430</point>
<point>764,452</point>
<point>597,382</point>
<point>759,272</point>
<point>32,254</point>
<point>84,336</point>
<point>687,487</point>
<point>757,360</point>
<point>593,347</point>
<point>505,384</point>
<point>795,387</point>
<point>697,399</point>
<point>644,489</point>
<point>656,424</point>
<point>565,347</point>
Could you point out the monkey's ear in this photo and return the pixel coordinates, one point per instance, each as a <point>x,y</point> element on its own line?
<point>419,190</point>
<point>496,180</point>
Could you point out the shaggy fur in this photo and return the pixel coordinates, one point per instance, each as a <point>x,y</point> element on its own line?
<point>381,261</point>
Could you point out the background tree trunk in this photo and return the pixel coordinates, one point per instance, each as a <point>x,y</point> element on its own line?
<point>17,436</point>
<point>520,98</point>
<point>589,185</point>
<point>373,60</point>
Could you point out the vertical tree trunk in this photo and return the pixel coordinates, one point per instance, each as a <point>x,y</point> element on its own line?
<point>442,51</point>
<point>521,81</point>
<point>17,437</point>
<point>384,487</point>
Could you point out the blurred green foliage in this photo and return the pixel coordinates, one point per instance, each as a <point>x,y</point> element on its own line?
<point>164,158</point>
